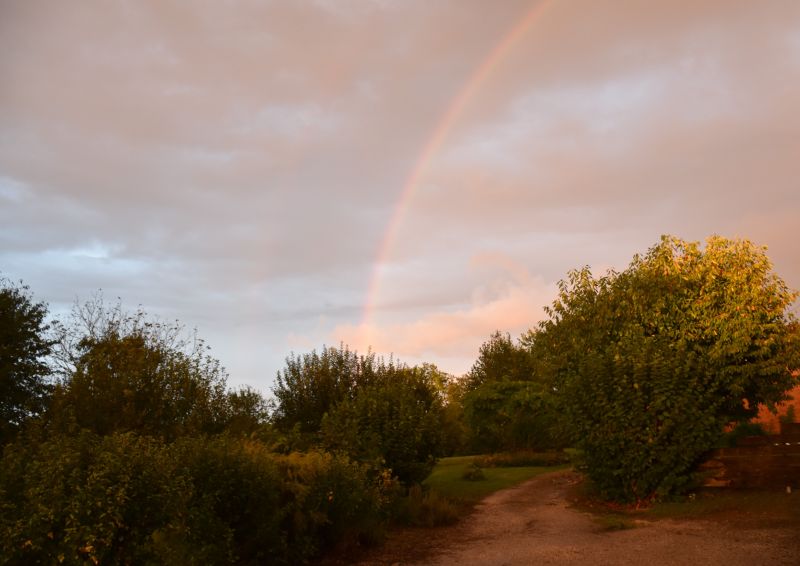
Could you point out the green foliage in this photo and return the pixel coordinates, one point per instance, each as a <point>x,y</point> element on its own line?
<point>741,430</point>
<point>312,384</point>
<point>506,405</point>
<point>129,499</point>
<point>523,458</point>
<point>81,499</point>
<point>512,415</point>
<point>394,423</point>
<point>426,508</point>
<point>383,414</point>
<point>447,479</point>
<point>329,499</point>
<point>500,360</point>
<point>455,431</point>
<point>474,473</point>
<point>123,372</point>
<point>24,345</point>
<point>652,363</point>
<point>234,513</point>
<point>246,413</point>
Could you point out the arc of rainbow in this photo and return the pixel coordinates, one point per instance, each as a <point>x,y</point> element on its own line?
<point>434,143</point>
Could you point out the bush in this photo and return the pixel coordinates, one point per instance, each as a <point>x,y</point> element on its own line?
<point>740,431</point>
<point>513,415</point>
<point>85,499</point>
<point>473,473</point>
<point>652,363</point>
<point>329,500</point>
<point>396,424</point>
<point>127,499</point>
<point>522,458</point>
<point>425,508</point>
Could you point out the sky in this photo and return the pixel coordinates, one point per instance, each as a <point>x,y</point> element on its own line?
<point>404,175</point>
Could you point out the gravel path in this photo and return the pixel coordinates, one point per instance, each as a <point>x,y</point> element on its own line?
<point>533,524</point>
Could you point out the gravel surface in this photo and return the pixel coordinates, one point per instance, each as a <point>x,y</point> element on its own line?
<point>533,524</point>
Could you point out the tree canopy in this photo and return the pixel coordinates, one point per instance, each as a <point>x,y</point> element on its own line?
<point>384,413</point>
<point>24,346</point>
<point>125,372</point>
<point>652,363</point>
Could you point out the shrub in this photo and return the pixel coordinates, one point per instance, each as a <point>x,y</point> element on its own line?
<point>396,424</point>
<point>329,500</point>
<point>651,364</point>
<point>86,499</point>
<point>127,499</point>
<point>425,508</point>
<point>522,458</point>
<point>473,473</point>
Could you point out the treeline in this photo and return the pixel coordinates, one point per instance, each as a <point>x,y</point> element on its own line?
<point>123,443</point>
<point>643,370</point>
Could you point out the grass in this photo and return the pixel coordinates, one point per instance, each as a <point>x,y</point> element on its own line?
<point>744,507</point>
<point>757,505</point>
<point>447,479</point>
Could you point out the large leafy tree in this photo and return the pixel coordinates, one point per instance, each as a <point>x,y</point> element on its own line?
<point>124,372</point>
<point>24,346</point>
<point>653,362</point>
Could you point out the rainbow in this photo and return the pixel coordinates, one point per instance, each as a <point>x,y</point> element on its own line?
<point>454,110</point>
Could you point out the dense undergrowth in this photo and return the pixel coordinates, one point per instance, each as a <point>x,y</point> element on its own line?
<point>129,499</point>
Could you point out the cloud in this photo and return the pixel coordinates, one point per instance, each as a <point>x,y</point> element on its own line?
<point>237,164</point>
<point>511,301</point>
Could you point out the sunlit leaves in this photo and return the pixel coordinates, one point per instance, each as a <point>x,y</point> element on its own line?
<point>652,362</point>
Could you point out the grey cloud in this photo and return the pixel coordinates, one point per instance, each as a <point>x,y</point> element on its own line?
<point>237,164</point>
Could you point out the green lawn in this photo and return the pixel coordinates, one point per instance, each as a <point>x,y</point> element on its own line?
<point>447,480</point>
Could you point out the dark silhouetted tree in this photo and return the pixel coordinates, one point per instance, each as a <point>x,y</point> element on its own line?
<point>24,347</point>
<point>125,372</point>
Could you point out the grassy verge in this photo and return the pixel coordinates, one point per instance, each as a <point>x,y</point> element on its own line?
<point>447,479</point>
<point>743,507</point>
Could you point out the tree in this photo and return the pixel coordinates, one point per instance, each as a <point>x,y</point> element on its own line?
<point>499,359</point>
<point>124,372</point>
<point>652,363</point>
<point>24,347</point>
<point>246,412</point>
<point>312,384</point>
<point>512,415</point>
<point>506,404</point>
<point>395,423</point>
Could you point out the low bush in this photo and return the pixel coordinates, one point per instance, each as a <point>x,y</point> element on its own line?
<point>473,473</point>
<point>522,459</point>
<point>330,500</point>
<point>425,508</point>
<point>128,499</point>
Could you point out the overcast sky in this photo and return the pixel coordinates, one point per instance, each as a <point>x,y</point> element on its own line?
<point>409,175</point>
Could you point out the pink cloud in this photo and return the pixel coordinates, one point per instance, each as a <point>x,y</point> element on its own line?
<point>511,303</point>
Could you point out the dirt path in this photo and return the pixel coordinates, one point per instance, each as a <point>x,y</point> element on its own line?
<point>533,524</point>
